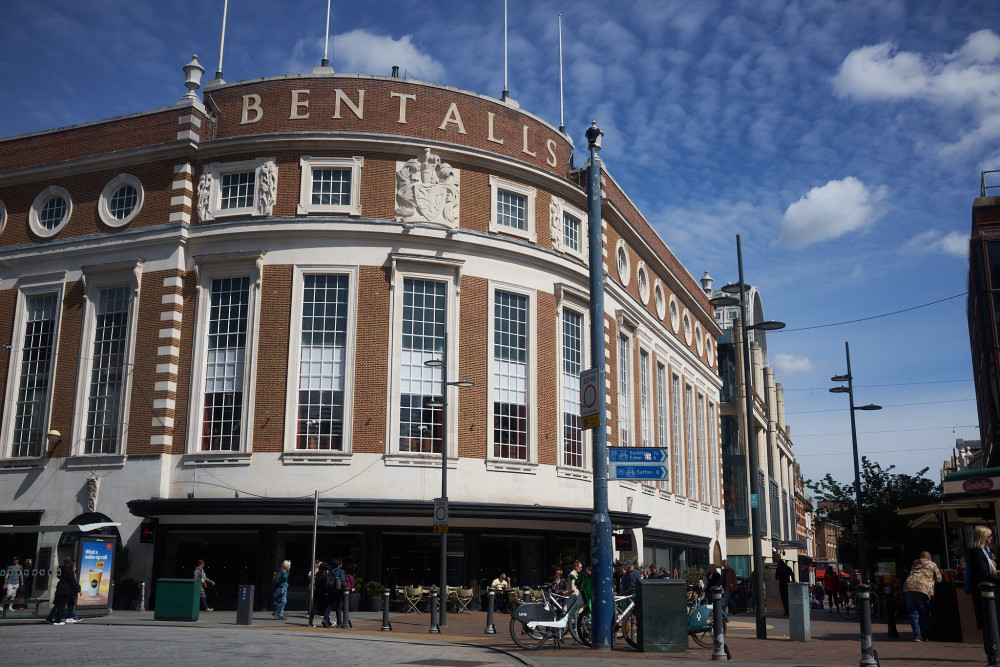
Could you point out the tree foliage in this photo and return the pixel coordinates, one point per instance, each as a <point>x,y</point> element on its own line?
<point>882,493</point>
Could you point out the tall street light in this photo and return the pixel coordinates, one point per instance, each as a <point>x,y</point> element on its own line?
<point>442,363</point>
<point>849,390</point>
<point>603,604</point>
<point>750,435</point>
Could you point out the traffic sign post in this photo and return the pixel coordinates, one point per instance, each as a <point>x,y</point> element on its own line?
<point>440,515</point>
<point>638,462</point>
<point>591,389</point>
<point>637,471</point>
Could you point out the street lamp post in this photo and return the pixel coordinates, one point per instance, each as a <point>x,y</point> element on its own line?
<point>600,522</point>
<point>442,363</point>
<point>751,438</point>
<point>849,390</point>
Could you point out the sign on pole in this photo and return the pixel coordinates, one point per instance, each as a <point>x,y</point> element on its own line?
<point>638,463</point>
<point>440,515</point>
<point>591,386</point>
<point>753,501</point>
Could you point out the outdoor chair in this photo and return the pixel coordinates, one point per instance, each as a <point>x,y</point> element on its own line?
<point>413,595</point>
<point>463,596</point>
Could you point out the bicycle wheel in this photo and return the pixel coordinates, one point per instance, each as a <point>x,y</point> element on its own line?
<point>630,630</point>
<point>583,628</point>
<point>848,609</point>
<point>574,625</point>
<point>703,638</point>
<point>524,636</point>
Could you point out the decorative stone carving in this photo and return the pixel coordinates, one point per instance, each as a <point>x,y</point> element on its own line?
<point>93,487</point>
<point>427,190</point>
<point>556,223</point>
<point>205,196</point>
<point>268,190</point>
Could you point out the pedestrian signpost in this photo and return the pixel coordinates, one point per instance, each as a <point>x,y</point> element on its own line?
<point>638,463</point>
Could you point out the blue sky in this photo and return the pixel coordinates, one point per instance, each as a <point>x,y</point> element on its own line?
<point>842,140</point>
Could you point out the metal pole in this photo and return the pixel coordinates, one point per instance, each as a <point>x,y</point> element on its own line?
<point>444,477</point>
<point>600,524</point>
<point>867,648</point>
<point>862,547</point>
<point>719,650</point>
<point>491,601</point>
<point>312,562</point>
<point>991,640</point>
<point>751,439</point>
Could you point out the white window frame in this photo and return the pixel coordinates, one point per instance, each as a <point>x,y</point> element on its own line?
<point>623,262</point>
<point>216,170</point>
<point>713,452</point>
<point>299,271</point>
<point>532,412</point>
<point>104,206</point>
<point>560,210</point>
<point>701,409</point>
<point>96,278</point>
<point>35,214</point>
<point>624,382</point>
<point>212,267</point>
<point>3,217</point>
<point>529,193</point>
<point>448,271</point>
<point>642,282</point>
<point>675,318</point>
<point>307,164</point>
<point>709,349</point>
<point>677,431</point>
<point>662,432</point>
<point>688,331</point>
<point>578,306</point>
<point>659,299</point>
<point>689,438</point>
<point>645,399</point>
<point>699,339</point>
<point>29,286</point>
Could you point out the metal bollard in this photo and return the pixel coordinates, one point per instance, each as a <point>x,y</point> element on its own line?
<point>347,609</point>
<point>386,626</point>
<point>991,637</point>
<point>719,650</point>
<point>867,649</point>
<point>434,613</point>
<point>142,596</point>
<point>890,612</point>
<point>490,629</point>
<point>525,594</point>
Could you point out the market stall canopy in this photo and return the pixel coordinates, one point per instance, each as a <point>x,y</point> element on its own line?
<point>969,512</point>
<point>965,483</point>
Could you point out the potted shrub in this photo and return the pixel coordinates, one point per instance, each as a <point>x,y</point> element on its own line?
<point>371,595</point>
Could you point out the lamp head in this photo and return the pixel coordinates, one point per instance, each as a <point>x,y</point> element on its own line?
<point>54,437</point>
<point>594,135</point>
<point>840,378</point>
<point>766,326</point>
<point>463,383</point>
<point>870,406</point>
<point>839,390</point>
<point>732,288</point>
<point>723,301</point>
<point>434,363</point>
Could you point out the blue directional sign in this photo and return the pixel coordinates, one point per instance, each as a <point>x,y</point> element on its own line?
<point>637,455</point>
<point>637,471</point>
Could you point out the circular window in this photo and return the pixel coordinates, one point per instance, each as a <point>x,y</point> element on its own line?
<point>3,216</point>
<point>675,319</point>
<point>658,300</point>
<point>688,334</point>
<point>50,211</point>
<point>709,352</point>
<point>121,200</point>
<point>642,282</point>
<point>699,341</point>
<point>624,265</point>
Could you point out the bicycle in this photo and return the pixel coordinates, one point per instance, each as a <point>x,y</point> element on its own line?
<point>624,621</point>
<point>849,605</point>
<point>532,623</point>
<point>701,619</point>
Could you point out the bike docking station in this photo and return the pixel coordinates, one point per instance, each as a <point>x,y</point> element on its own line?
<point>663,622</point>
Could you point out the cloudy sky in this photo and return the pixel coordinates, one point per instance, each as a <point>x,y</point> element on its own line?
<point>843,141</point>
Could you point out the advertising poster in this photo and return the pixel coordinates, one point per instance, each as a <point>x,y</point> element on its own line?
<point>94,571</point>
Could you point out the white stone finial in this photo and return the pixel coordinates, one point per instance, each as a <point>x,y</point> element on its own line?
<point>192,74</point>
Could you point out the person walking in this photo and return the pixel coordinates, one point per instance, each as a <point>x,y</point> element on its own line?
<point>628,581</point>
<point>71,616</point>
<point>336,581</point>
<point>280,595</point>
<point>831,584</point>
<point>319,591</point>
<point>784,575</point>
<point>917,593</point>
<point>982,568</point>
<point>199,574</point>
<point>29,582</point>
<point>67,591</point>
<point>13,580</point>
<point>728,587</point>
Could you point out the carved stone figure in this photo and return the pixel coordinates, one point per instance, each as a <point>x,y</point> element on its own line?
<point>204,196</point>
<point>555,223</point>
<point>268,191</point>
<point>427,190</point>
<point>93,486</point>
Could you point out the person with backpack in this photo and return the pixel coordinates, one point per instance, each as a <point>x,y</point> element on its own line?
<point>918,592</point>
<point>280,595</point>
<point>319,591</point>
<point>336,582</point>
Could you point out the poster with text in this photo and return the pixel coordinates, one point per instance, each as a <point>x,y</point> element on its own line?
<point>94,571</point>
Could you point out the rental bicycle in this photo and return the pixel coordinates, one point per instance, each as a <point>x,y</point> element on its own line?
<point>624,622</point>
<point>701,619</point>
<point>532,623</point>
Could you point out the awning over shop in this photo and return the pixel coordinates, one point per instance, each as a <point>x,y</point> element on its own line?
<point>956,512</point>
<point>64,528</point>
<point>965,483</point>
<point>274,507</point>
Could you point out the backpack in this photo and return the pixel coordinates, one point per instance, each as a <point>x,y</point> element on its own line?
<point>276,579</point>
<point>350,581</point>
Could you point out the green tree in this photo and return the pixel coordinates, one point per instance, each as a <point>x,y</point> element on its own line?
<point>882,493</point>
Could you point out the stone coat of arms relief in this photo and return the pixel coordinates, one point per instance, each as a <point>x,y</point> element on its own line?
<point>427,190</point>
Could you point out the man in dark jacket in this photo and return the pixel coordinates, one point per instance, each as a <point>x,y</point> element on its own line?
<point>784,575</point>
<point>66,591</point>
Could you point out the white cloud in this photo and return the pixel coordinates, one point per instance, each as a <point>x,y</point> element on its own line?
<point>954,244</point>
<point>829,212</point>
<point>789,364</point>
<point>363,52</point>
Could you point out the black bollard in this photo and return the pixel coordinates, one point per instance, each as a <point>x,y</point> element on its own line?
<point>867,649</point>
<point>890,612</point>
<point>719,649</point>
<point>525,594</point>
<point>490,630</point>
<point>434,613</point>
<point>386,626</point>
<point>347,609</point>
<point>991,637</point>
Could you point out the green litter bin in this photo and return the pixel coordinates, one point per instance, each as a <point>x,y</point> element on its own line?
<point>177,599</point>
